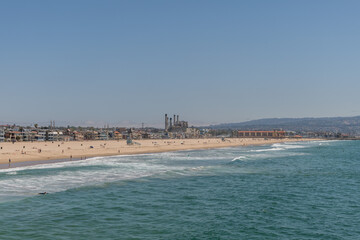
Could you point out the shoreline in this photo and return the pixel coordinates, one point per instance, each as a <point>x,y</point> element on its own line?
<point>33,153</point>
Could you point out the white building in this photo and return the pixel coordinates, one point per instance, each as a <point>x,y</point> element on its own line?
<point>54,136</point>
<point>103,136</point>
<point>2,135</point>
<point>28,135</point>
<point>41,136</point>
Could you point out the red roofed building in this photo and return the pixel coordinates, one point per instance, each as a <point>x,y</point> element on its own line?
<point>14,136</point>
<point>261,134</point>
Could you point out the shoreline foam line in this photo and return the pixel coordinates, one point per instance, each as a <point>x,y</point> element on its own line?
<point>27,153</point>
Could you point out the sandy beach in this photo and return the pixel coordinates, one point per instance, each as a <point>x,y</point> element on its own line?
<point>42,151</point>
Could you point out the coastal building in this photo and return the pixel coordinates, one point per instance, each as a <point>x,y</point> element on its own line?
<point>103,135</point>
<point>175,128</point>
<point>192,133</point>
<point>14,136</point>
<point>2,135</point>
<point>204,133</point>
<point>40,136</point>
<point>79,136</point>
<point>261,134</point>
<point>117,135</point>
<point>174,124</point>
<point>28,135</point>
<point>54,136</point>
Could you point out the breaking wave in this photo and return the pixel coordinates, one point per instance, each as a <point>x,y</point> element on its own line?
<point>54,177</point>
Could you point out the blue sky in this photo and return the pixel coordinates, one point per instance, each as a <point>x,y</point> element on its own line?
<point>127,62</point>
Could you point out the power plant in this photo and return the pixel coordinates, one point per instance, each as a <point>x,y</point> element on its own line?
<point>174,124</point>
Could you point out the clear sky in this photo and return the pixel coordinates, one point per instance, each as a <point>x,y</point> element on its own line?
<point>127,62</point>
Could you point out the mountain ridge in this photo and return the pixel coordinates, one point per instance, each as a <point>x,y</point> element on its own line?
<point>347,125</point>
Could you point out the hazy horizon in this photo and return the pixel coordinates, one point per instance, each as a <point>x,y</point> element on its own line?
<point>130,62</point>
<point>135,124</point>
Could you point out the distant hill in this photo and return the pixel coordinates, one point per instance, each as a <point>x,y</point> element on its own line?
<point>348,125</point>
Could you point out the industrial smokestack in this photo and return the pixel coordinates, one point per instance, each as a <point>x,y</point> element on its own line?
<point>166,122</point>
<point>174,120</point>
<point>170,122</point>
<point>177,119</point>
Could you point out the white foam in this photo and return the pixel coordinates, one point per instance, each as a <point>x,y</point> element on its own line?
<point>268,149</point>
<point>239,158</point>
<point>75,174</point>
<point>55,177</point>
<point>288,145</point>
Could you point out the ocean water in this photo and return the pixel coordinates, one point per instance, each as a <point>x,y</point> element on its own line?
<point>303,190</point>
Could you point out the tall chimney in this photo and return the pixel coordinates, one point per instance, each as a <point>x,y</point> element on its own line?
<point>170,122</point>
<point>174,119</point>
<point>166,122</point>
<point>177,119</point>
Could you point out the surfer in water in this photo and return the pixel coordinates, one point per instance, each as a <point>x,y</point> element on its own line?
<point>43,193</point>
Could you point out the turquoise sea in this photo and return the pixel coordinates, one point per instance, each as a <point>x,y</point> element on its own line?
<point>303,190</point>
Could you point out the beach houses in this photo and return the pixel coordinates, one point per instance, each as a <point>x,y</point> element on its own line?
<point>103,135</point>
<point>54,136</point>
<point>40,136</point>
<point>2,135</point>
<point>117,135</point>
<point>77,136</point>
<point>261,134</point>
<point>14,136</point>
<point>28,135</point>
